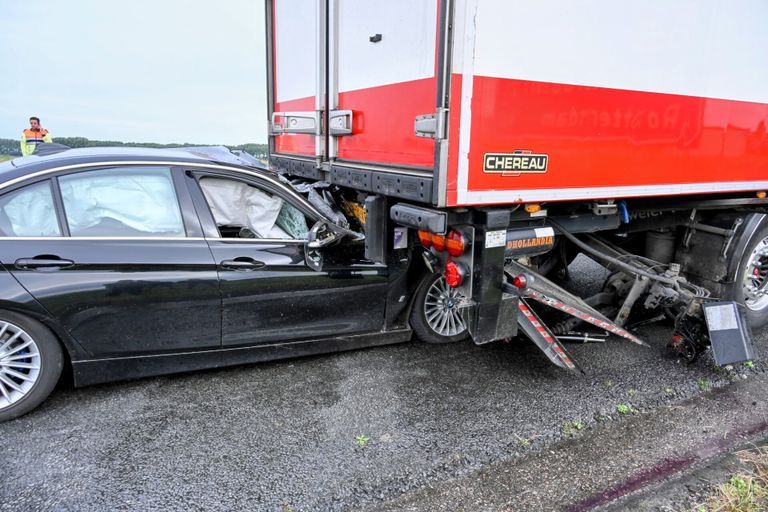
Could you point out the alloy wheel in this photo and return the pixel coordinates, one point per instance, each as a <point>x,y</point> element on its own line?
<point>441,308</point>
<point>19,364</point>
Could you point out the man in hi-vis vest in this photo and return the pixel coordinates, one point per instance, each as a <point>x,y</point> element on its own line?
<point>33,136</point>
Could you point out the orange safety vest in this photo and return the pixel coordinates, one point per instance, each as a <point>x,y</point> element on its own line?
<point>32,137</point>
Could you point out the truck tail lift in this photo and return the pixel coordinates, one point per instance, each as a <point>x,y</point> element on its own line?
<point>672,291</point>
<point>634,277</point>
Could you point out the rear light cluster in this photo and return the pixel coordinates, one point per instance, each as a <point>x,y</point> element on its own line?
<point>454,242</point>
<point>454,273</point>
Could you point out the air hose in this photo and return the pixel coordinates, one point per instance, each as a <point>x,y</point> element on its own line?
<point>613,261</point>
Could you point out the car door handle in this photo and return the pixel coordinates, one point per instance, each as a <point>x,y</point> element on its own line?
<point>242,264</point>
<point>43,262</point>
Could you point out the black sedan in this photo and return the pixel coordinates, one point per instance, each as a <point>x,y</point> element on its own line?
<point>124,263</point>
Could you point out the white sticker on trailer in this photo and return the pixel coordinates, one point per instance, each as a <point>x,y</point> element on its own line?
<point>544,232</point>
<point>721,318</point>
<point>495,239</point>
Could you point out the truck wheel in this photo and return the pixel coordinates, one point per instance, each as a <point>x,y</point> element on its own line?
<point>435,316</point>
<point>30,364</point>
<point>750,285</point>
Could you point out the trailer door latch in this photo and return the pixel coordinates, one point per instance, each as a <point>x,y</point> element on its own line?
<point>295,122</point>
<point>340,122</point>
<point>431,126</point>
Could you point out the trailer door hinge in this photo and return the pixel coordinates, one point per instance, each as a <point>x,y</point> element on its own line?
<point>431,126</point>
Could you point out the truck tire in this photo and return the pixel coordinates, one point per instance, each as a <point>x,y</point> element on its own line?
<point>435,317</point>
<point>749,285</point>
<point>30,364</point>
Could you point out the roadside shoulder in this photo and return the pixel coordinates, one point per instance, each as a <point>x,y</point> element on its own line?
<point>610,461</point>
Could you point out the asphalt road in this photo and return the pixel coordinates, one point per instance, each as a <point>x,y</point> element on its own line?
<point>283,436</point>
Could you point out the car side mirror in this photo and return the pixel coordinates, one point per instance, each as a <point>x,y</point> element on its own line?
<point>322,235</point>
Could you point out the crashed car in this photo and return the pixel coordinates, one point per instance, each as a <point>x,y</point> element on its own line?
<point>122,263</point>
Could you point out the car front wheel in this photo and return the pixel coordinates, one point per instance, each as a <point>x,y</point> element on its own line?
<point>435,317</point>
<point>30,364</point>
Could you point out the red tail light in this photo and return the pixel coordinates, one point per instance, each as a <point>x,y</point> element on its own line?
<point>425,237</point>
<point>455,243</point>
<point>454,274</point>
<point>520,281</point>
<point>438,242</point>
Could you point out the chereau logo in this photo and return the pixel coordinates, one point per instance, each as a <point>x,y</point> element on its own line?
<point>515,164</point>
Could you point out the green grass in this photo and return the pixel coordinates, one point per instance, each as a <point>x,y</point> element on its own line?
<point>571,427</point>
<point>746,491</point>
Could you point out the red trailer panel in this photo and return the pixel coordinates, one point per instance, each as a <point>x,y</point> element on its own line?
<point>606,100</point>
<point>297,77</point>
<point>482,102</point>
<point>385,72</point>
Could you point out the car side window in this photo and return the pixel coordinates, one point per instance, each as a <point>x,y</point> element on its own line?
<point>29,211</point>
<point>122,202</point>
<point>241,210</point>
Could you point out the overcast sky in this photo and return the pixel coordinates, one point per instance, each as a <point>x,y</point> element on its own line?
<point>142,71</point>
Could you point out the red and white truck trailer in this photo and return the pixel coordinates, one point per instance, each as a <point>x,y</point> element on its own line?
<point>499,138</point>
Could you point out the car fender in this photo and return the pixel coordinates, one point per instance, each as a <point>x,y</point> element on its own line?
<point>14,297</point>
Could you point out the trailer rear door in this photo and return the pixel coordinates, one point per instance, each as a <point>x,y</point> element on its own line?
<point>380,127</point>
<point>297,82</point>
<point>385,72</point>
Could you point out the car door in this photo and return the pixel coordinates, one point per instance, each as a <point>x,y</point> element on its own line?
<point>257,231</point>
<point>117,257</point>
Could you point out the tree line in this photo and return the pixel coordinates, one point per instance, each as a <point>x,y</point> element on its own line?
<point>11,146</point>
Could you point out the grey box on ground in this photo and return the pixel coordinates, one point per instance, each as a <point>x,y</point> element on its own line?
<point>729,332</point>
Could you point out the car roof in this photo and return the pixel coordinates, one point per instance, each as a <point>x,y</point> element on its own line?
<point>220,155</point>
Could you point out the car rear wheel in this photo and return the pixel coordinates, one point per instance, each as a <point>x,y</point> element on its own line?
<point>435,317</point>
<point>30,364</point>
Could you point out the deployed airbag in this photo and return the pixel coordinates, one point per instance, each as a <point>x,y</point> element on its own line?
<point>122,202</point>
<point>234,203</point>
<point>29,212</point>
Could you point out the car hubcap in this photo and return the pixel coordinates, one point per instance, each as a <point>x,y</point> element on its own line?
<point>756,277</point>
<point>441,307</point>
<point>19,364</point>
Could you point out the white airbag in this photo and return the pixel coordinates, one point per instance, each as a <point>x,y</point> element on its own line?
<point>121,203</point>
<point>234,203</point>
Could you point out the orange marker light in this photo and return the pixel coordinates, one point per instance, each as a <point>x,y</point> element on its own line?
<point>425,237</point>
<point>533,208</point>
<point>455,243</point>
<point>761,194</point>
<point>438,242</point>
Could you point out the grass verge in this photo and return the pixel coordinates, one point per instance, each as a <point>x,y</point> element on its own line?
<point>744,492</point>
